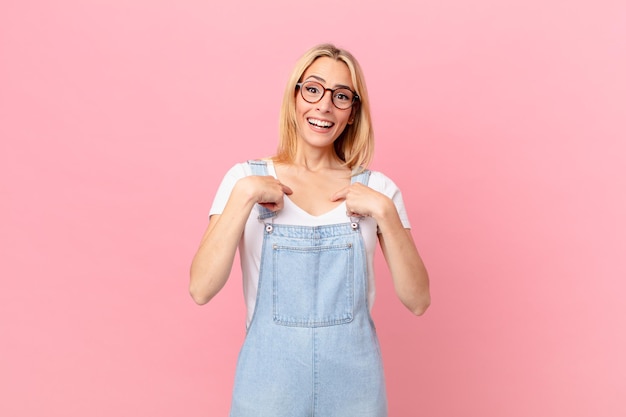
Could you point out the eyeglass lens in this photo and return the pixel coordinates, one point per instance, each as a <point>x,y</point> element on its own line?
<point>312,91</point>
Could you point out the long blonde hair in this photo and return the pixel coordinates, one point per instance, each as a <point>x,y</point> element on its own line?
<point>355,145</point>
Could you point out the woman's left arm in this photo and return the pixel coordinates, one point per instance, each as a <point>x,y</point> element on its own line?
<point>408,272</point>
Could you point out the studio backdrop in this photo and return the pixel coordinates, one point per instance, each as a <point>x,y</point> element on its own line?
<point>501,121</point>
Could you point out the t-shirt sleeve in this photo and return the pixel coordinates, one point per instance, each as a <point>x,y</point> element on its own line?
<point>381,183</point>
<point>233,175</point>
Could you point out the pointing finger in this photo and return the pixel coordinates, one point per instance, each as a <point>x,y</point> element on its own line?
<point>286,189</point>
<point>340,195</point>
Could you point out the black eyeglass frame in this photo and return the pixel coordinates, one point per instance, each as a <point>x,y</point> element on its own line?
<point>355,98</point>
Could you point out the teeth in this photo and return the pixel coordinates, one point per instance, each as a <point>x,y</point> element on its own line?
<point>320,123</point>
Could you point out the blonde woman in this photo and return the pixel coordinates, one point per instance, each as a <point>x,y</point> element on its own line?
<point>306,223</point>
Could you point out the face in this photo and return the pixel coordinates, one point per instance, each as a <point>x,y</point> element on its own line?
<point>319,124</point>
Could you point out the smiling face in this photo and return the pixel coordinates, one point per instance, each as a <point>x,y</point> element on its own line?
<point>319,124</point>
<point>353,144</point>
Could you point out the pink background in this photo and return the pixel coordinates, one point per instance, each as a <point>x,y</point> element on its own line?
<point>502,121</point>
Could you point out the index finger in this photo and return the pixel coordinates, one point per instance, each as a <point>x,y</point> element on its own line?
<point>286,189</point>
<point>340,195</point>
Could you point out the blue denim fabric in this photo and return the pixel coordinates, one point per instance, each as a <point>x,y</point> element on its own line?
<point>311,349</point>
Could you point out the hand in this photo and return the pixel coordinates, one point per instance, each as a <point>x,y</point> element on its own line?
<point>362,201</point>
<point>266,191</point>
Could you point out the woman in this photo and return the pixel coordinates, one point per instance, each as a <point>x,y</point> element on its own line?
<point>306,223</point>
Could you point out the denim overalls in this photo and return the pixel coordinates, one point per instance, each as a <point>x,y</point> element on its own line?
<point>311,348</point>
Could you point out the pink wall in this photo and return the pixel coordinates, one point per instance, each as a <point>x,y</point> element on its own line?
<point>503,122</point>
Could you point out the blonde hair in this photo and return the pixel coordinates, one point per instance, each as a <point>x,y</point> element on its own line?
<point>355,145</point>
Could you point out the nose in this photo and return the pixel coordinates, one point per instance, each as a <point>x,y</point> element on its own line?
<point>326,102</point>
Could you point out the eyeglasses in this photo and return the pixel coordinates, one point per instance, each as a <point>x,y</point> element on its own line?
<point>312,92</point>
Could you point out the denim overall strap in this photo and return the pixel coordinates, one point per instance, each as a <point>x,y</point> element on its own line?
<point>363,177</point>
<point>259,167</point>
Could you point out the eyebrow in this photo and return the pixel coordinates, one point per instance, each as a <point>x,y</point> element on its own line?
<point>320,79</point>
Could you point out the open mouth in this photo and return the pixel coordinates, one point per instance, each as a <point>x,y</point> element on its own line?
<point>320,123</point>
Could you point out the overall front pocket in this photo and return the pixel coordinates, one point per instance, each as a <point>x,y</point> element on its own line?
<point>313,285</point>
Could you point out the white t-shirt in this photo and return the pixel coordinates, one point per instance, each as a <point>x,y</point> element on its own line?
<point>251,243</point>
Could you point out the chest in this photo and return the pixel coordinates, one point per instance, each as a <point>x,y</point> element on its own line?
<point>313,193</point>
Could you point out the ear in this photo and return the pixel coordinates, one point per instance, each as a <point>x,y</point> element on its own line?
<point>353,113</point>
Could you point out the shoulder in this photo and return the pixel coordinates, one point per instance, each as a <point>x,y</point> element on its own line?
<point>243,169</point>
<point>234,174</point>
<point>382,183</point>
<point>385,185</point>
<point>238,170</point>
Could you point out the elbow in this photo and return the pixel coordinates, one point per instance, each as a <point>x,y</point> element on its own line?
<point>200,286</point>
<point>199,299</point>
<point>421,307</point>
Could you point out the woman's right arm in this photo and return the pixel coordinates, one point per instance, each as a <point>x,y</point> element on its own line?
<point>213,261</point>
